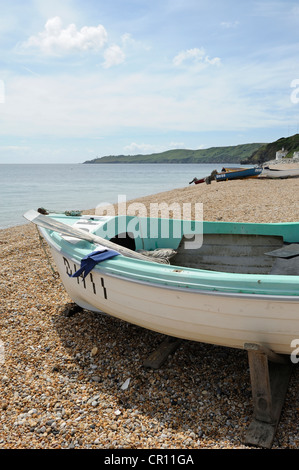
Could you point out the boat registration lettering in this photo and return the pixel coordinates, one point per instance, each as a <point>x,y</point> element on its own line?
<point>85,281</point>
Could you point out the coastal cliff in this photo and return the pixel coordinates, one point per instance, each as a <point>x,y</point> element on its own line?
<point>230,154</point>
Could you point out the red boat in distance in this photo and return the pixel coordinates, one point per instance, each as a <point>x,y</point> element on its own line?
<point>197,181</point>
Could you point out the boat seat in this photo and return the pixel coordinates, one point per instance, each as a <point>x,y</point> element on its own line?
<point>286,266</point>
<point>286,251</point>
<point>286,260</point>
<point>234,253</point>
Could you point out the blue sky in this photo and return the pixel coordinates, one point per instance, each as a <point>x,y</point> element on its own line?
<point>80,80</point>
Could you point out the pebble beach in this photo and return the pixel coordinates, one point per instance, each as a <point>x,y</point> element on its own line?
<point>79,382</point>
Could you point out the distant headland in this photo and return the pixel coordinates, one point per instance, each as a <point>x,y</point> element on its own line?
<point>255,153</point>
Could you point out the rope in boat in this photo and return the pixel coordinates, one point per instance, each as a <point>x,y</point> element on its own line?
<point>91,237</point>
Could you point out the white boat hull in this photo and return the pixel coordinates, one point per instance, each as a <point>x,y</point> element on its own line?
<point>279,174</point>
<point>223,319</point>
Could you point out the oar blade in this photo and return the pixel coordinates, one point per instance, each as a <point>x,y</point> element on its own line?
<point>56,226</point>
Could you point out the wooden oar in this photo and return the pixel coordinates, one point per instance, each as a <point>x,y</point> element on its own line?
<point>50,224</point>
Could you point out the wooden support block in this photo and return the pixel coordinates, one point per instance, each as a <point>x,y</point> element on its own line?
<point>271,355</point>
<point>269,381</point>
<point>260,434</point>
<point>156,359</point>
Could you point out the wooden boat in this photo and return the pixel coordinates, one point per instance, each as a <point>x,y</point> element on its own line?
<point>273,173</point>
<point>206,179</point>
<point>238,173</point>
<point>241,285</point>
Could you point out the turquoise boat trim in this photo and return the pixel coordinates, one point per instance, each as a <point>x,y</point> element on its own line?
<point>178,276</point>
<point>154,226</point>
<point>288,230</point>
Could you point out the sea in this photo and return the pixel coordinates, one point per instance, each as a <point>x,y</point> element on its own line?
<point>75,187</point>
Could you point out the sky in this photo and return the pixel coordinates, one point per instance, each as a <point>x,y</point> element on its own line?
<point>86,79</point>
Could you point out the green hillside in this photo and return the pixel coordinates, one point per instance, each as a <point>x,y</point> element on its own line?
<point>231,154</point>
<point>268,151</point>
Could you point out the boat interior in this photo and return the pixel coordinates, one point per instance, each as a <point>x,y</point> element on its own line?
<point>245,248</point>
<point>244,254</point>
<point>233,253</point>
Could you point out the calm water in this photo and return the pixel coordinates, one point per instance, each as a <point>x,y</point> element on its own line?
<point>77,187</point>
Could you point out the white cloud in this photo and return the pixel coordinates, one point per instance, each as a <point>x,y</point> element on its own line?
<point>135,148</point>
<point>113,55</point>
<point>195,56</point>
<point>2,92</point>
<point>230,24</point>
<point>129,42</point>
<point>98,105</point>
<point>56,40</point>
<point>190,54</point>
<point>14,147</point>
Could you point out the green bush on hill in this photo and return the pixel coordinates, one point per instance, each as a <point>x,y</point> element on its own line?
<point>268,151</point>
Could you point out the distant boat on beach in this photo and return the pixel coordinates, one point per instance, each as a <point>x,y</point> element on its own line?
<point>238,173</point>
<point>197,181</point>
<point>229,174</point>
<point>271,173</point>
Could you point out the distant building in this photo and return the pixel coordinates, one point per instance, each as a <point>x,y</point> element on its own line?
<point>296,155</point>
<point>281,153</point>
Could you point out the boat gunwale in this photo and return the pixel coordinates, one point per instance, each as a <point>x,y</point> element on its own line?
<point>105,269</point>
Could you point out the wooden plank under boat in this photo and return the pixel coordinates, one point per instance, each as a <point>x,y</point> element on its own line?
<point>229,290</point>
